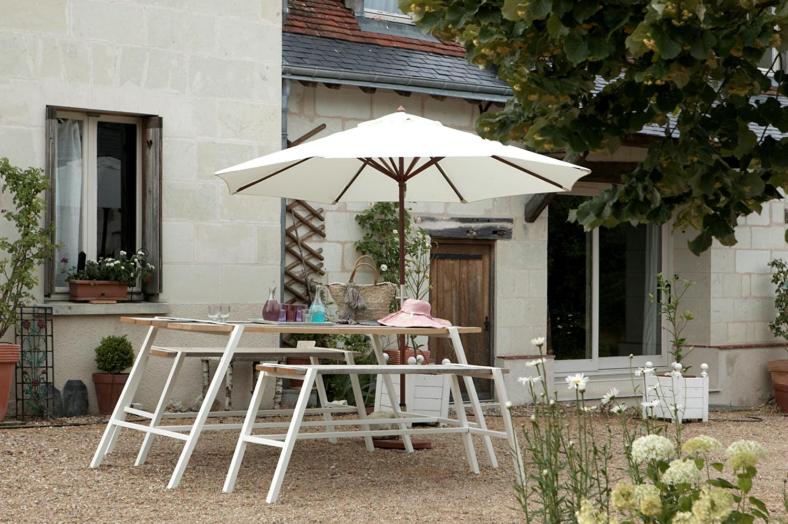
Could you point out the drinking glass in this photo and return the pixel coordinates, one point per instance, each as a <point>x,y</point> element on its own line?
<point>213,312</point>
<point>224,312</point>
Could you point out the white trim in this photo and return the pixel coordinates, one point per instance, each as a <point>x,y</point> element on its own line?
<point>387,16</point>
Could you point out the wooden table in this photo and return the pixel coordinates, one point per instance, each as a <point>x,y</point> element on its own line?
<point>234,331</point>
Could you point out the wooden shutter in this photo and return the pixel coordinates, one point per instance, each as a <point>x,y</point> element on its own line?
<point>151,200</point>
<point>50,165</point>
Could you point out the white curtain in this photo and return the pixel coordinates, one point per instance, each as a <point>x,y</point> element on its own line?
<point>68,197</point>
<point>651,321</point>
<point>387,6</point>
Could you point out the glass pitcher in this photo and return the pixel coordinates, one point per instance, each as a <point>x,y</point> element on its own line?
<point>271,307</point>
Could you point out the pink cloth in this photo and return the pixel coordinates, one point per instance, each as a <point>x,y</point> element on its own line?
<point>414,313</point>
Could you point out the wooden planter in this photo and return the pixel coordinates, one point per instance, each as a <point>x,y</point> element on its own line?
<point>691,394</point>
<point>9,356</point>
<point>778,369</point>
<point>109,386</point>
<point>101,290</point>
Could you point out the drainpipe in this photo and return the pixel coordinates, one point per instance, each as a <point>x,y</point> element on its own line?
<point>283,205</point>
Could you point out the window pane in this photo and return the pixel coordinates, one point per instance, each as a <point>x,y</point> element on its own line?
<point>116,185</point>
<point>628,265</point>
<point>568,283</point>
<point>68,197</point>
<point>387,6</point>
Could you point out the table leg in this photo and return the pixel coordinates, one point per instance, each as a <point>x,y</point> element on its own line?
<point>359,398</point>
<point>459,351</point>
<point>205,365</point>
<point>467,440</point>
<point>389,385</point>
<point>292,434</point>
<point>246,430</point>
<point>228,389</point>
<point>503,399</point>
<point>125,399</point>
<point>157,414</point>
<point>205,408</point>
<point>321,395</point>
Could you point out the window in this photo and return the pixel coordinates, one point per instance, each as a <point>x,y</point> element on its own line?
<point>386,10</point>
<point>100,166</point>
<point>598,287</point>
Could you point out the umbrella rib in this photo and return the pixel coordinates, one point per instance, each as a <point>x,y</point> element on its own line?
<point>250,184</point>
<point>524,170</point>
<point>432,161</point>
<point>448,181</point>
<point>382,168</point>
<point>363,165</point>
<point>412,164</point>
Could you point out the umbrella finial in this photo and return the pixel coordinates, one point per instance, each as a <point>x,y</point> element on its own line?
<point>400,109</point>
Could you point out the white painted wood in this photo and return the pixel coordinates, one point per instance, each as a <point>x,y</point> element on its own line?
<point>138,413</point>
<point>205,408</point>
<point>147,429</point>
<point>424,394</point>
<point>506,416</point>
<point>689,394</point>
<point>321,395</point>
<point>292,432</point>
<point>377,347</point>
<point>268,442</point>
<point>124,401</point>
<point>459,407</point>
<point>358,397</point>
<point>459,352</point>
<point>160,406</point>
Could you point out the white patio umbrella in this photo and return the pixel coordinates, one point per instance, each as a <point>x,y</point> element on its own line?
<point>401,157</point>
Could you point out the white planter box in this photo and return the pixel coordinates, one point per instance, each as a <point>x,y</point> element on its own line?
<point>689,394</point>
<point>425,394</point>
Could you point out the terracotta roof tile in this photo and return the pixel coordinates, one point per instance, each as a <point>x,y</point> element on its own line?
<point>331,19</point>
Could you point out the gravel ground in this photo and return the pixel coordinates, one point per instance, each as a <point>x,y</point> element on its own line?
<point>44,477</point>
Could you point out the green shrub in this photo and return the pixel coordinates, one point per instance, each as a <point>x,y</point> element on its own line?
<point>114,354</point>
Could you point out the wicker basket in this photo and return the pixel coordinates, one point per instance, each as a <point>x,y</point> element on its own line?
<point>377,297</point>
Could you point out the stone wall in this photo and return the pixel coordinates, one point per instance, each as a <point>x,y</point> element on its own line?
<point>212,71</point>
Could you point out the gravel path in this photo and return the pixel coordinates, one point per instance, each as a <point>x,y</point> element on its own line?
<point>44,477</point>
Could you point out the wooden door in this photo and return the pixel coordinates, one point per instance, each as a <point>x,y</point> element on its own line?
<point>461,292</point>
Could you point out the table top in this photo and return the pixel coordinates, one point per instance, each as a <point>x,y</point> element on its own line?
<point>295,328</point>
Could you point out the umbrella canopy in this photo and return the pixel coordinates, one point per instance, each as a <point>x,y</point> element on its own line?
<point>373,161</point>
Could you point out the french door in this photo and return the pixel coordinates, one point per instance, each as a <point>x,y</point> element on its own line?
<point>600,286</point>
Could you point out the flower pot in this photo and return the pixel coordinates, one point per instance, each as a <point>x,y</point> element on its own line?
<point>88,290</point>
<point>690,394</point>
<point>394,355</point>
<point>108,389</point>
<point>9,356</point>
<point>778,369</point>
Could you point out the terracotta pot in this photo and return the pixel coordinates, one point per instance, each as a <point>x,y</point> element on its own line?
<point>394,355</point>
<point>87,290</point>
<point>778,369</point>
<point>9,356</point>
<point>108,389</point>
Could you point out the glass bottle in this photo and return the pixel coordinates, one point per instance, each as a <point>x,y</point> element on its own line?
<point>317,311</point>
<point>271,306</point>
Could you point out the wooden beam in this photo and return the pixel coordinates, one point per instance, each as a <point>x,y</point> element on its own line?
<point>535,205</point>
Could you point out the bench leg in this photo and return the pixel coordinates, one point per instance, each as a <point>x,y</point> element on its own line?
<point>389,385</point>
<point>228,388</point>
<point>459,351</point>
<point>292,435</point>
<point>157,414</point>
<point>459,407</point>
<point>205,409</point>
<point>124,401</point>
<point>321,394</point>
<point>359,398</point>
<point>246,430</point>
<point>503,399</point>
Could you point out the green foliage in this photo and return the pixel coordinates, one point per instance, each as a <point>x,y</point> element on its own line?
<point>670,293</point>
<point>126,269</point>
<point>685,65</point>
<point>779,325</point>
<point>23,252</point>
<point>114,354</point>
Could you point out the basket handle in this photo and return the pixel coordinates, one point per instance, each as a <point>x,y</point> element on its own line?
<point>364,260</point>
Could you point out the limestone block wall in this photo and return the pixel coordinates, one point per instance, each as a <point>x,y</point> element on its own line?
<point>520,276</point>
<point>212,71</point>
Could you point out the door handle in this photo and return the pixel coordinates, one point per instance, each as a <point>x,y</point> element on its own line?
<point>486,324</point>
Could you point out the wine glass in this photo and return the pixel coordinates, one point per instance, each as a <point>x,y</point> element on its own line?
<point>224,312</point>
<point>213,312</point>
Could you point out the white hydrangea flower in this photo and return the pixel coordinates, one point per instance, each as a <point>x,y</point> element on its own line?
<point>743,454</point>
<point>681,472</point>
<point>384,267</point>
<point>607,397</point>
<point>700,445</point>
<point>122,253</point>
<point>577,381</point>
<point>652,447</point>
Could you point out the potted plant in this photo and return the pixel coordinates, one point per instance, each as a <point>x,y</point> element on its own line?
<point>108,279</point>
<point>21,256</point>
<point>778,369</point>
<point>674,395</point>
<point>113,355</point>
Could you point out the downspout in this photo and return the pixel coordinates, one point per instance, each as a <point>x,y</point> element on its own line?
<point>283,205</point>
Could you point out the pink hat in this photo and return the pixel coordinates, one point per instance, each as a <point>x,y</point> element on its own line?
<point>414,313</point>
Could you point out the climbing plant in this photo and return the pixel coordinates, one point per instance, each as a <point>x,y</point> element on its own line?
<point>587,75</point>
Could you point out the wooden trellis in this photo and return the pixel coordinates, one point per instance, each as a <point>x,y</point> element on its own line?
<point>303,263</point>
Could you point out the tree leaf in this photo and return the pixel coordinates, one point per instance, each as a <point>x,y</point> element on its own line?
<point>666,45</point>
<point>745,141</point>
<point>555,28</point>
<point>576,48</point>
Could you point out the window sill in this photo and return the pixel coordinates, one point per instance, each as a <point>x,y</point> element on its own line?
<point>73,309</point>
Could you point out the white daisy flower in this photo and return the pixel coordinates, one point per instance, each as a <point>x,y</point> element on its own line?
<point>535,362</point>
<point>577,381</point>
<point>538,341</point>
<point>610,395</point>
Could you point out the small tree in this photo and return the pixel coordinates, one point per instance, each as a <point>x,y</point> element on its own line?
<point>114,354</point>
<point>22,253</point>
<point>671,292</point>
<point>779,325</point>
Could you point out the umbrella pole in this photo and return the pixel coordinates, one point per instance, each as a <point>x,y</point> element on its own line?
<point>401,338</point>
